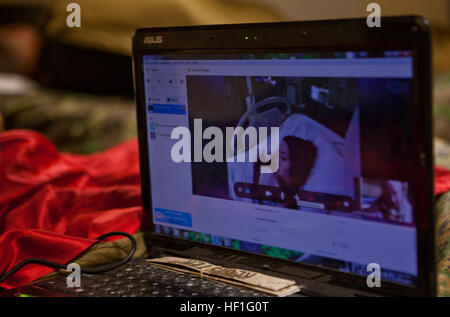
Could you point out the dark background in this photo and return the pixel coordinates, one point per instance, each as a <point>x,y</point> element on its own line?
<point>386,126</point>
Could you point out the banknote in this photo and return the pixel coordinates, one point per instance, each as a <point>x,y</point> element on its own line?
<point>254,280</point>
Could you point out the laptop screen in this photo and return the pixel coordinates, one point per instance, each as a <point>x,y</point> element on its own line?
<point>299,156</point>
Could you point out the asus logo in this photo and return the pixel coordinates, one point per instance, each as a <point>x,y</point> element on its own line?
<point>153,39</point>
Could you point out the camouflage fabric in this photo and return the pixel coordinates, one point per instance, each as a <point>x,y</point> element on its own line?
<point>442,106</point>
<point>442,210</point>
<point>104,253</point>
<point>78,123</point>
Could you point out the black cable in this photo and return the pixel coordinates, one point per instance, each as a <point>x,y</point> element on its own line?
<point>96,270</point>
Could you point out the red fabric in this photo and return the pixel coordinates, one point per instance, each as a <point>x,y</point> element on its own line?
<point>53,205</point>
<point>441,180</point>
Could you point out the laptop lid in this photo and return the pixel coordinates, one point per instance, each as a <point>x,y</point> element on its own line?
<point>309,142</point>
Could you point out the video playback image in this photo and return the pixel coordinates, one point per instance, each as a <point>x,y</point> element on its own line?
<point>320,151</point>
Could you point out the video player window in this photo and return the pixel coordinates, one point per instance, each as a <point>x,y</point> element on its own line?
<point>319,153</point>
<point>340,197</point>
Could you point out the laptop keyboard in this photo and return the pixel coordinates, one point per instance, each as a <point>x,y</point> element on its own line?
<point>139,279</point>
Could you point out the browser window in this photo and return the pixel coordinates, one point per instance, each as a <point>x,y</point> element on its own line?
<point>340,195</point>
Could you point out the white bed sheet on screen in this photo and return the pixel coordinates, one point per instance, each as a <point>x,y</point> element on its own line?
<point>338,160</point>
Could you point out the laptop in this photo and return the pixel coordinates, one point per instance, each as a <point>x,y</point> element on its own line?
<point>300,150</point>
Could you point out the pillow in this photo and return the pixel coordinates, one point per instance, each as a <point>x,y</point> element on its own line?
<point>337,164</point>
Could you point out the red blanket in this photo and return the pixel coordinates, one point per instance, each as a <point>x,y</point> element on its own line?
<point>52,205</point>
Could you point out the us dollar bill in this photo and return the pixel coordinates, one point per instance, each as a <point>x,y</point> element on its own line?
<point>250,279</point>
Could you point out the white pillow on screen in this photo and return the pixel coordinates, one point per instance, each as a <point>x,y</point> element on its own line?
<point>337,158</point>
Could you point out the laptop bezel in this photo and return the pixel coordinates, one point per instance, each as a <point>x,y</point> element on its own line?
<point>396,33</point>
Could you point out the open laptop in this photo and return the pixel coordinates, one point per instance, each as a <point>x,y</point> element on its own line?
<point>343,112</point>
